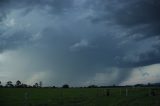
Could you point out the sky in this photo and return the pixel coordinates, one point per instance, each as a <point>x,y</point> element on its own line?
<point>80,42</point>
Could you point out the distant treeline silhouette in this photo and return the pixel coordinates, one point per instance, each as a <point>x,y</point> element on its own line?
<point>19,84</point>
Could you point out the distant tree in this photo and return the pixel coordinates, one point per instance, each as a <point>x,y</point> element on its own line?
<point>53,86</point>
<point>92,86</point>
<point>40,84</point>
<point>24,85</point>
<point>65,86</point>
<point>139,85</point>
<point>1,84</point>
<point>18,84</point>
<point>29,86</point>
<point>149,84</point>
<point>114,85</point>
<point>9,84</point>
<point>35,85</point>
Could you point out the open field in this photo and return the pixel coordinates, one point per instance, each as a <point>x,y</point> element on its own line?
<point>78,97</point>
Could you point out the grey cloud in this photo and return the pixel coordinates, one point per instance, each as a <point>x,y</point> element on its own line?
<point>79,44</point>
<point>132,15</point>
<point>14,37</point>
<point>55,5</point>
<point>16,40</point>
<point>139,19</point>
<point>143,12</point>
<point>152,57</point>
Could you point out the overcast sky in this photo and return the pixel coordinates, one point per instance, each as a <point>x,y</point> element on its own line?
<point>80,42</point>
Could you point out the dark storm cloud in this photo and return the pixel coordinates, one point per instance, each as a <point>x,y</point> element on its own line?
<point>14,41</point>
<point>54,5</point>
<point>19,37</point>
<point>151,57</point>
<point>85,60</point>
<point>81,40</point>
<point>3,9</point>
<point>143,12</point>
<point>143,16</point>
<point>140,20</point>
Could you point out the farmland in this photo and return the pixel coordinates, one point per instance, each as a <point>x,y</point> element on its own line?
<point>78,97</point>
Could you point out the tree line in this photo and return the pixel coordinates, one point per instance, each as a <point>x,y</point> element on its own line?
<point>19,84</point>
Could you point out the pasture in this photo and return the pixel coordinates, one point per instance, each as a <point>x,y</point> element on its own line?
<point>78,97</point>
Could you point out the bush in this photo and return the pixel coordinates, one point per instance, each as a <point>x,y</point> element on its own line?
<point>65,86</point>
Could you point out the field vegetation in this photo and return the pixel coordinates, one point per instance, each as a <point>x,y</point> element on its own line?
<point>132,96</point>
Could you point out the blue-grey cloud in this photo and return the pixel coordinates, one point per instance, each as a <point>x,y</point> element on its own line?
<point>140,21</point>
<point>77,41</point>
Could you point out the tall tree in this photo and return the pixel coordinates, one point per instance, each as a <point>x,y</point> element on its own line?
<point>35,85</point>
<point>0,82</point>
<point>40,84</point>
<point>18,83</point>
<point>9,84</point>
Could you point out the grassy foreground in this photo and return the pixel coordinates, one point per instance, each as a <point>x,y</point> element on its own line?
<point>77,97</point>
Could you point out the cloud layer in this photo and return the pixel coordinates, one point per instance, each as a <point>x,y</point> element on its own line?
<point>79,42</point>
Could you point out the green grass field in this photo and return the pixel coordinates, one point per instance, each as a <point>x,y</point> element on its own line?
<point>77,97</point>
